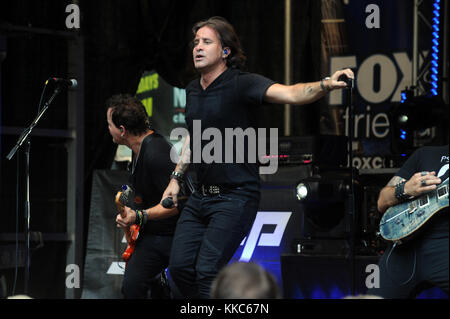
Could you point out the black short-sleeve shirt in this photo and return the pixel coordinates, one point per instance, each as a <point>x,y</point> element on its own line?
<point>430,158</point>
<point>226,106</point>
<point>149,179</point>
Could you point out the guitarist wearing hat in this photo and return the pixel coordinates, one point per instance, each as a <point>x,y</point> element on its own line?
<point>418,261</point>
<point>151,167</point>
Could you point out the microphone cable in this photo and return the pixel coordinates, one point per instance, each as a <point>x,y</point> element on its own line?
<point>413,270</point>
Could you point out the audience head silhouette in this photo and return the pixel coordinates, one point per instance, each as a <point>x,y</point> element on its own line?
<point>242,280</point>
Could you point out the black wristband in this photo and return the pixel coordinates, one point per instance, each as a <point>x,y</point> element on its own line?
<point>400,194</point>
<point>138,218</point>
<point>144,218</point>
<point>177,175</point>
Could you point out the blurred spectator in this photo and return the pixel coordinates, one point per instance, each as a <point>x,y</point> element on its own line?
<point>242,280</point>
<point>363,297</point>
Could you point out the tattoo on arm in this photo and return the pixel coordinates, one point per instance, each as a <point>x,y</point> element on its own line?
<point>184,161</point>
<point>395,180</point>
<point>308,90</point>
<point>182,167</point>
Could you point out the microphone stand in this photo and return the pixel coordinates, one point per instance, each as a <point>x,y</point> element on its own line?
<point>24,138</point>
<point>351,203</point>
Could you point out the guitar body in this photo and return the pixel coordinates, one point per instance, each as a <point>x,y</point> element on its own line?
<point>132,232</point>
<point>400,222</point>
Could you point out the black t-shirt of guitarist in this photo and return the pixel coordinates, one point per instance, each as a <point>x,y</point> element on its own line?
<point>149,179</point>
<point>430,158</point>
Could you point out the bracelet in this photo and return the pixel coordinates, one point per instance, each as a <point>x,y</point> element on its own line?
<point>141,218</point>
<point>400,194</point>
<point>177,175</point>
<point>145,217</point>
<point>138,218</point>
<point>322,86</point>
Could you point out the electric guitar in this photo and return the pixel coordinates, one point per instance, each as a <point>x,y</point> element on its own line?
<point>401,221</point>
<point>131,232</point>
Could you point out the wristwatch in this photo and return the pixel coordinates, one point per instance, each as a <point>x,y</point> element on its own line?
<point>322,85</point>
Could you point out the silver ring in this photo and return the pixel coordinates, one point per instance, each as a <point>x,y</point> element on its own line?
<point>423,183</point>
<point>423,173</point>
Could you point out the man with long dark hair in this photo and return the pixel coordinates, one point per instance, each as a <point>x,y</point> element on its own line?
<point>222,210</point>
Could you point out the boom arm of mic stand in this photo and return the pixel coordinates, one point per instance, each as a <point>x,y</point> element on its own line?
<point>28,130</point>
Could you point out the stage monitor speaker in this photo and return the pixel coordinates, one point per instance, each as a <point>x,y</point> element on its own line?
<point>325,204</point>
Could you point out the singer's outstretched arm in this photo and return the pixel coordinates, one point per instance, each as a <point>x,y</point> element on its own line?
<point>305,93</point>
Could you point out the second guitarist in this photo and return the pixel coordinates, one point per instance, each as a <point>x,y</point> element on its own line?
<point>151,167</point>
<point>408,269</point>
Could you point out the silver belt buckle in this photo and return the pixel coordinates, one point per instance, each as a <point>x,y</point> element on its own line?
<point>210,190</point>
<point>214,190</point>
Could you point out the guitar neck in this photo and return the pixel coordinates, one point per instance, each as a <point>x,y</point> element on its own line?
<point>121,209</point>
<point>120,205</point>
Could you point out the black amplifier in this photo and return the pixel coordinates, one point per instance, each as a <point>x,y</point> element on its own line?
<point>328,150</point>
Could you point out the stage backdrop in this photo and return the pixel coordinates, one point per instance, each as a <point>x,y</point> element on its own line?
<point>377,42</point>
<point>104,245</point>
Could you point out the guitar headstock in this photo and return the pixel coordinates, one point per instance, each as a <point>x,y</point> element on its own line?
<point>122,196</point>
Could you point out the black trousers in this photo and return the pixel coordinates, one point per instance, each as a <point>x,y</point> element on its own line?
<point>150,258</point>
<point>408,269</point>
<point>208,232</point>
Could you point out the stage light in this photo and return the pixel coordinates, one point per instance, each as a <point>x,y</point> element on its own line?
<point>413,115</point>
<point>301,191</point>
<point>403,95</point>
<point>403,134</point>
<point>435,48</point>
<point>403,118</point>
<point>322,201</point>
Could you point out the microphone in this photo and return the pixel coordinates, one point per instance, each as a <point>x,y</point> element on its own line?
<point>69,83</point>
<point>167,202</point>
<point>346,79</point>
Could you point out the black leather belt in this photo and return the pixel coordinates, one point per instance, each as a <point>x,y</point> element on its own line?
<point>212,190</point>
